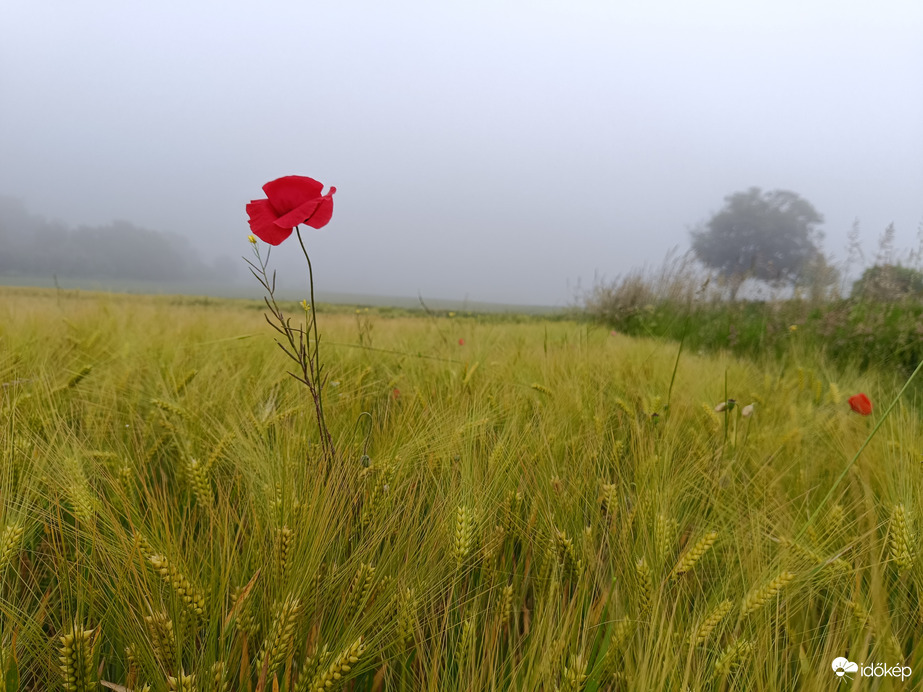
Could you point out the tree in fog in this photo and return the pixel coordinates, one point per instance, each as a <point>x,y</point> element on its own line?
<point>771,236</point>
<point>31,246</point>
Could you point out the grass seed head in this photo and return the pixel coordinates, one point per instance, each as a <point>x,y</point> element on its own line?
<point>574,677</point>
<point>645,587</point>
<point>692,556</point>
<point>77,653</point>
<point>181,683</point>
<point>192,598</point>
<point>281,547</point>
<point>163,639</point>
<point>614,652</point>
<point>198,479</point>
<point>665,530</point>
<point>757,598</point>
<point>463,544</point>
<point>278,645</point>
<point>732,657</point>
<point>506,603</point>
<point>170,408</point>
<point>609,502</point>
<point>359,589</point>
<point>406,617</point>
<point>701,634</point>
<point>9,544</point>
<point>566,554</point>
<point>341,666</point>
<point>901,538</point>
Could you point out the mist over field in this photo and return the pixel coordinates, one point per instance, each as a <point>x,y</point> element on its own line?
<point>502,152</point>
<point>600,371</point>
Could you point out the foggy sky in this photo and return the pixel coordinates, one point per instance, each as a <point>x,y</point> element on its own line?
<point>497,150</point>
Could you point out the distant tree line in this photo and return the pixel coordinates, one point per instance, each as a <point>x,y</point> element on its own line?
<point>31,245</point>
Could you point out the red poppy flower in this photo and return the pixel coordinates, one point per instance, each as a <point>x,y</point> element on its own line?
<point>461,342</point>
<point>291,200</point>
<point>861,404</point>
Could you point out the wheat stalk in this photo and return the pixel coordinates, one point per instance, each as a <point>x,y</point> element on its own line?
<point>77,652</point>
<point>692,556</point>
<point>193,599</point>
<point>278,643</point>
<point>701,634</point>
<point>757,598</point>
<point>341,665</point>
<point>901,538</point>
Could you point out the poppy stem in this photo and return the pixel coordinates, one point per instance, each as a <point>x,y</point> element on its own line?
<point>326,441</point>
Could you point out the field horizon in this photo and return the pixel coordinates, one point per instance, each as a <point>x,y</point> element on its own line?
<point>248,290</point>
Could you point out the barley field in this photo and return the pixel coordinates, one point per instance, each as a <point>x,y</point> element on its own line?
<point>513,504</point>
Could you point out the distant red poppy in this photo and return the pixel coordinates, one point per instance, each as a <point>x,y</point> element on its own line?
<point>861,404</point>
<point>395,393</point>
<point>461,342</point>
<point>291,200</point>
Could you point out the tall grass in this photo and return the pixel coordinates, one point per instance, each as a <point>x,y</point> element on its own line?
<point>546,507</point>
<point>878,326</point>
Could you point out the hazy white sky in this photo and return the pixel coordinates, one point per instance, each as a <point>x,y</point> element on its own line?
<point>496,149</point>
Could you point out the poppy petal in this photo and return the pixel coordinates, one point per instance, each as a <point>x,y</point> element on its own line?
<point>263,222</point>
<point>323,213</point>
<point>291,191</point>
<point>299,214</point>
<point>861,404</point>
